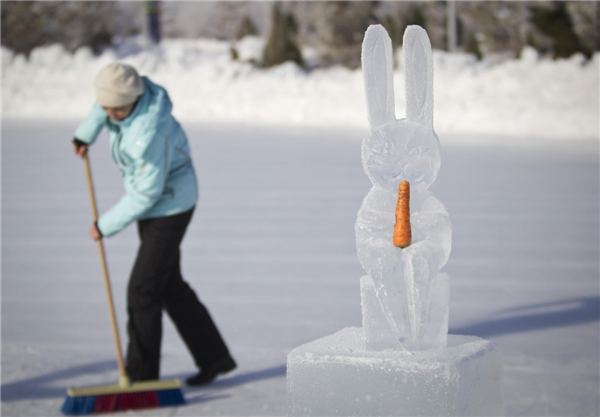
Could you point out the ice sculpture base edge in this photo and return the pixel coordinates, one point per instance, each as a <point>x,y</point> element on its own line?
<point>335,375</point>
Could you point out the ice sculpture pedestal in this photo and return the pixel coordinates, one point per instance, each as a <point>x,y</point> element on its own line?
<point>336,376</point>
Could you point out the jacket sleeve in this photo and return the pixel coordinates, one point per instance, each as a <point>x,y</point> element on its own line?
<point>90,127</point>
<point>148,157</point>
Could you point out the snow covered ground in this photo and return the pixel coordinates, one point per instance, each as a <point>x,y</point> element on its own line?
<point>271,252</point>
<point>526,97</point>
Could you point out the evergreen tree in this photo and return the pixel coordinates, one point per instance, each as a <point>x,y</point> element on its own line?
<point>280,46</point>
<point>340,29</point>
<point>472,46</point>
<point>393,30</point>
<point>555,22</point>
<point>246,28</point>
<point>28,24</point>
<point>233,53</point>
<point>413,16</point>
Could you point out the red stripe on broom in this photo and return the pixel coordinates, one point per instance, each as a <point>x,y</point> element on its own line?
<point>105,403</point>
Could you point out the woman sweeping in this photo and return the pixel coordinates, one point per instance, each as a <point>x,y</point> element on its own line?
<point>153,154</point>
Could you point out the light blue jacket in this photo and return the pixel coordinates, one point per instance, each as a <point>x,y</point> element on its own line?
<point>152,151</point>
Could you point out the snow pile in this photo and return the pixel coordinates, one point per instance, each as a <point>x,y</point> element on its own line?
<point>529,96</point>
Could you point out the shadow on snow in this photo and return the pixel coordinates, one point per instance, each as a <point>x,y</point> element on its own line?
<point>531,317</point>
<point>540,316</point>
<point>240,379</point>
<point>38,387</point>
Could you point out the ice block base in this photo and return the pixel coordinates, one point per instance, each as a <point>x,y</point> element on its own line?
<point>336,376</point>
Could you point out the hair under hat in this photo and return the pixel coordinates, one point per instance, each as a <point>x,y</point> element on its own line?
<point>118,85</point>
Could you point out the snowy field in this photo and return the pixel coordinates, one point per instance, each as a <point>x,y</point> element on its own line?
<point>528,97</point>
<point>271,252</point>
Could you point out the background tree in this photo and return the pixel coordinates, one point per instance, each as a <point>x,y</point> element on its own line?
<point>412,16</point>
<point>556,23</point>
<point>246,28</point>
<point>472,45</point>
<point>339,28</point>
<point>26,25</point>
<point>334,29</point>
<point>281,46</point>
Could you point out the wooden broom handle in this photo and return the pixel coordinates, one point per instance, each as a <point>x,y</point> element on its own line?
<point>111,307</point>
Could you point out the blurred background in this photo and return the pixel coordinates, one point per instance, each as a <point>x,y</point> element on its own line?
<point>558,29</point>
<point>501,67</point>
<point>271,97</point>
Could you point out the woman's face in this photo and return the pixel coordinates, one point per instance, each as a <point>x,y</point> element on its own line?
<point>119,113</point>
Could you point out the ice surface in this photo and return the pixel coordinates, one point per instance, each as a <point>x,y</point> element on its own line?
<point>378,71</point>
<point>418,64</point>
<point>407,149</point>
<point>420,269</point>
<point>402,151</point>
<point>435,328</point>
<point>402,362</point>
<point>335,375</point>
<point>396,272</point>
<point>379,331</point>
<point>395,151</point>
<point>429,220</point>
<point>269,296</point>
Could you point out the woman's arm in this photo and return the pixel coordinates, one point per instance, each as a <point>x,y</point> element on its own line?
<point>90,127</point>
<point>146,184</point>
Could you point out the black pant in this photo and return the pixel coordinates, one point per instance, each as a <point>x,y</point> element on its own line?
<point>156,284</point>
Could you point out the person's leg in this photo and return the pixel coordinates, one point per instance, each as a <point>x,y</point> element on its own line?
<point>157,257</point>
<point>194,323</point>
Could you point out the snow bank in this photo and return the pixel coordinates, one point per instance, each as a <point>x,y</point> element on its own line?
<point>529,97</point>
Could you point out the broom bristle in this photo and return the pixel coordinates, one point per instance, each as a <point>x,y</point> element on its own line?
<point>93,404</point>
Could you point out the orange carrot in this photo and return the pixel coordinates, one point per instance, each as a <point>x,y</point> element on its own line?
<point>402,233</point>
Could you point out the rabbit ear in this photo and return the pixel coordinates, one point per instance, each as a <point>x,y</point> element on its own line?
<point>419,75</point>
<point>378,72</point>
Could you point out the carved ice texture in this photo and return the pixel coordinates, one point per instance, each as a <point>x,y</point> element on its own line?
<point>408,290</point>
<point>337,376</point>
<point>402,362</point>
<point>378,334</point>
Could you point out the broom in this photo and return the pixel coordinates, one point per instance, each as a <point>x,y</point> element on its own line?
<point>125,395</point>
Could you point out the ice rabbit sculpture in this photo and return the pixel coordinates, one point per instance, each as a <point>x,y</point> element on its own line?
<point>403,284</point>
<point>402,362</point>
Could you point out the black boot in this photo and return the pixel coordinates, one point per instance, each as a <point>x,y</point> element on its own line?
<point>207,375</point>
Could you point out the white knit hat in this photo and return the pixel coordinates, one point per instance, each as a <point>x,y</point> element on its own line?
<point>118,85</point>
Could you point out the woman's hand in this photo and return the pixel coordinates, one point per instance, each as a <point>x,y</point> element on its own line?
<point>79,147</point>
<point>95,233</point>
